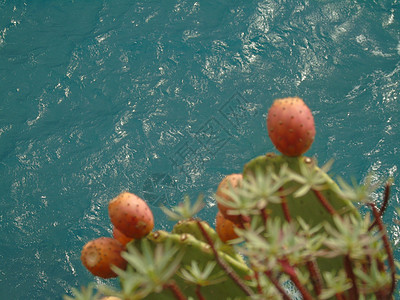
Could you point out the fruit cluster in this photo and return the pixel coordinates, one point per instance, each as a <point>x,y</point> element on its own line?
<point>132,219</point>
<point>291,129</point>
<point>296,227</point>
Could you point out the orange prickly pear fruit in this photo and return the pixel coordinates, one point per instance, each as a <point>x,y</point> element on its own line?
<point>100,254</point>
<point>291,126</point>
<point>131,215</point>
<point>225,228</point>
<point>234,181</point>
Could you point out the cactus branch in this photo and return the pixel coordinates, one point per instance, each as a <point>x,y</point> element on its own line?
<point>222,264</point>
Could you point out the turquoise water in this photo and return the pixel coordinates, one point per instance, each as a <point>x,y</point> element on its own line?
<point>164,98</point>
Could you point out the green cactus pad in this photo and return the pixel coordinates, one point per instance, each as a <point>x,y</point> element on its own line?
<point>308,206</point>
<point>200,251</point>
<point>190,226</point>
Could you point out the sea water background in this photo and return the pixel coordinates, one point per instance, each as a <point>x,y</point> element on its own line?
<point>164,98</point>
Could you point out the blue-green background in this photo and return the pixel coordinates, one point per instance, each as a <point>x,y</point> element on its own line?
<point>164,98</point>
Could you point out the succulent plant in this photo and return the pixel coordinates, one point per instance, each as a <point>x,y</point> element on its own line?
<point>297,230</point>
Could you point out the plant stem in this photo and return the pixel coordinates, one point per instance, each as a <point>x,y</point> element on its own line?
<point>385,202</point>
<point>339,296</point>
<point>285,206</point>
<point>350,274</point>
<point>276,283</point>
<point>324,202</point>
<point>243,220</point>
<point>386,196</point>
<point>257,278</point>
<point>289,270</point>
<point>175,290</point>
<point>315,275</point>
<point>386,244</point>
<point>381,265</point>
<point>382,295</point>
<point>264,216</point>
<point>198,293</point>
<point>231,273</point>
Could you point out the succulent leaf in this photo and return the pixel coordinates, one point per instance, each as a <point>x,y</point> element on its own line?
<point>184,210</point>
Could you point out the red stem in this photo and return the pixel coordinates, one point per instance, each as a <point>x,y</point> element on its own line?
<point>175,290</point>
<point>264,216</point>
<point>339,296</point>
<point>199,294</point>
<point>381,265</point>
<point>383,295</point>
<point>315,275</point>
<point>289,270</point>
<point>386,196</point>
<point>386,244</point>
<point>350,274</point>
<point>243,220</point>
<point>275,282</point>
<point>324,202</point>
<point>385,202</point>
<point>231,273</point>
<point>257,278</point>
<point>285,206</point>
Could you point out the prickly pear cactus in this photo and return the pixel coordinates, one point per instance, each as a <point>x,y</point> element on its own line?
<point>295,229</point>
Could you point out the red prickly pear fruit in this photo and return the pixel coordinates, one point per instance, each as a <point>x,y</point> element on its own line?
<point>225,228</point>
<point>233,181</point>
<point>291,126</point>
<point>131,215</point>
<point>122,238</point>
<point>100,254</point>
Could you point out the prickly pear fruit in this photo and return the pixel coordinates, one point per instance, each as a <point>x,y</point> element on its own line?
<point>291,126</point>
<point>225,228</point>
<point>131,215</point>
<point>119,236</point>
<point>100,254</point>
<point>233,181</point>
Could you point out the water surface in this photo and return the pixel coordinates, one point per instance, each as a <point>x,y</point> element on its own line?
<point>165,98</point>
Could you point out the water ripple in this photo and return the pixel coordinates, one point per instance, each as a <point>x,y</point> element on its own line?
<point>165,99</point>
